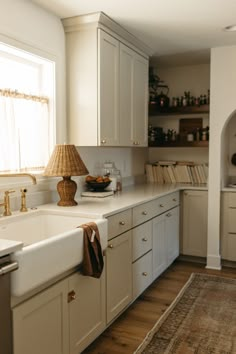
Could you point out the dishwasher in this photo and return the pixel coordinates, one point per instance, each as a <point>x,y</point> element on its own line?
<point>6,267</point>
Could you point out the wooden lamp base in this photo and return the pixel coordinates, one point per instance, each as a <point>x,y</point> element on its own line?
<point>66,190</point>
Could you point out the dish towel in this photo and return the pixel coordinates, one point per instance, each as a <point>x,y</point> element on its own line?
<point>92,264</point>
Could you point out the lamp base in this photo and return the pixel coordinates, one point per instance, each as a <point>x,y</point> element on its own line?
<point>66,190</point>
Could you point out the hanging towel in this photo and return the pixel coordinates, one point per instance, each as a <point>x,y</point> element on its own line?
<point>92,264</point>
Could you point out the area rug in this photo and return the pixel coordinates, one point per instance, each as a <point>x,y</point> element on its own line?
<point>201,320</point>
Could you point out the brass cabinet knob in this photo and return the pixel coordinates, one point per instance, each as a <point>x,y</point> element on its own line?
<point>111,246</point>
<point>71,296</point>
<point>144,239</point>
<point>144,274</point>
<point>168,215</point>
<point>103,141</point>
<point>122,223</point>
<point>161,205</point>
<point>144,212</point>
<point>174,200</point>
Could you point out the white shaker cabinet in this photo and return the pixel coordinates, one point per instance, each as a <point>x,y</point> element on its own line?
<point>133,98</point>
<point>119,274</point>
<point>108,90</point>
<point>194,223</point>
<point>62,319</point>
<point>107,85</point>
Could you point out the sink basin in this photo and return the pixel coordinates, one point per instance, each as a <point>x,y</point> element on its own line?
<point>52,245</point>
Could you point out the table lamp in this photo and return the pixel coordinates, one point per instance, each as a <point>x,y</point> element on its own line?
<point>65,161</point>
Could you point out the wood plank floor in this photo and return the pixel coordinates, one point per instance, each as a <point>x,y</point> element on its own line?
<point>128,331</point>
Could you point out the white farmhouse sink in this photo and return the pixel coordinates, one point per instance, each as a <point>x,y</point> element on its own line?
<point>52,245</point>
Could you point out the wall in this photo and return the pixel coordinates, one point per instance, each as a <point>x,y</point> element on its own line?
<point>222,108</point>
<point>28,27</point>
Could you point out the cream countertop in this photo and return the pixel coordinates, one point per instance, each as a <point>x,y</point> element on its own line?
<point>9,246</point>
<point>128,198</point>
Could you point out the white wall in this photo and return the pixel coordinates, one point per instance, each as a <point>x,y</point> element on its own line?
<point>222,107</point>
<point>28,27</point>
<point>193,78</point>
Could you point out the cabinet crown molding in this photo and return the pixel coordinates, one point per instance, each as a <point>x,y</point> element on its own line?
<point>101,20</point>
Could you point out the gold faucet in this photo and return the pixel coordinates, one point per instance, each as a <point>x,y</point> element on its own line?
<point>6,203</point>
<point>32,177</point>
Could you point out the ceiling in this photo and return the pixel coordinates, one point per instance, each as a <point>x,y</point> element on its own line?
<point>172,29</point>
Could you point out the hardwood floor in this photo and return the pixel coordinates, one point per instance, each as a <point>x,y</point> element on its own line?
<point>128,331</point>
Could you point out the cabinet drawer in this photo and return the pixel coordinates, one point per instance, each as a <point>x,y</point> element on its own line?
<point>142,239</point>
<point>232,200</point>
<point>229,247</point>
<point>166,202</point>
<point>142,274</point>
<point>143,212</point>
<point>119,223</point>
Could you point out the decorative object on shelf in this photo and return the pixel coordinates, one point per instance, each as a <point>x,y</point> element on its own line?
<point>65,161</point>
<point>158,91</point>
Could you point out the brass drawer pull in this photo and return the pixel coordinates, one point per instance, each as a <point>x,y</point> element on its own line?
<point>144,274</point>
<point>174,200</point>
<point>122,223</point>
<point>144,212</point>
<point>168,215</point>
<point>71,296</point>
<point>144,239</point>
<point>111,246</point>
<point>103,141</point>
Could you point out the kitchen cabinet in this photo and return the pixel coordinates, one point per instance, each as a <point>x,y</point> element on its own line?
<point>228,226</point>
<point>133,98</point>
<point>142,257</point>
<point>40,325</point>
<point>87,310</point>
<point>62,319</point>
<point>165,240</point>
<point>119,274</point>
<point>107,84</point>
<point>194,223</point>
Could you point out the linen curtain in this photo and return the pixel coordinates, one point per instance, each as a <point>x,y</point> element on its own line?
<point>24,133</point>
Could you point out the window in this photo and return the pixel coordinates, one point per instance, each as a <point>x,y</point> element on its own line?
<point>27,122</point>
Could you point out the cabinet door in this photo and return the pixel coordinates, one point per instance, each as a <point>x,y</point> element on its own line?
<point>119,274</point>
<point>86,310</point>
<point>194,228</point>
<point>142,274</point>
<point>40,325</point>
<point>126,94</point>
<point>159,248</point>
<point>108,89</point>
<point>172,234</point>
<point>139,123</point>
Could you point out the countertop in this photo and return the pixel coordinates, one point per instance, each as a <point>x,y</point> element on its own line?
<point>130,196</point>
<point>8,247</point>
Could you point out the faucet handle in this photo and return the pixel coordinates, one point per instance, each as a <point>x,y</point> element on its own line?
<point>7,211</point>
<point>9,191</point>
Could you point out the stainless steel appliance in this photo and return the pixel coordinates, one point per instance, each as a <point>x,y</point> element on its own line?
<point>6,267</point>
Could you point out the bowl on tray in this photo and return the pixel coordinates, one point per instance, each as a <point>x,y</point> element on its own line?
<point>97,184</point>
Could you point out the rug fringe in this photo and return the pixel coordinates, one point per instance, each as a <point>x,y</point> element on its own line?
<point>151,333</point>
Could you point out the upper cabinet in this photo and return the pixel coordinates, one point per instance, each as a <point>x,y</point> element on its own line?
<point>107,83</point>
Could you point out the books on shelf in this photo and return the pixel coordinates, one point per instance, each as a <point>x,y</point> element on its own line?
<point>177,172</point>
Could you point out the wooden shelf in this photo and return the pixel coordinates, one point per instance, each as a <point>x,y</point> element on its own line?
<point>154,110</point>
<point>179,144</point>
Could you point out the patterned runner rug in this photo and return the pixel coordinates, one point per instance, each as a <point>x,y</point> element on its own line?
<point>201,320</point>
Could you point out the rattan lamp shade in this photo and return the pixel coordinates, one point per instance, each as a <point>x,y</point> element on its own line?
<point>66,162</point>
